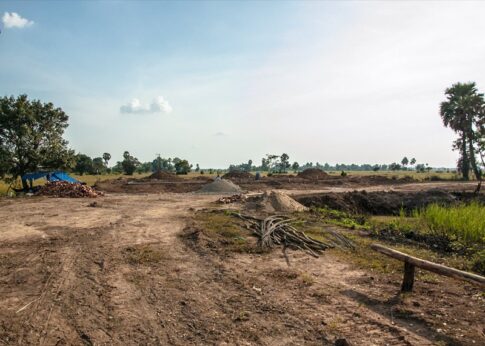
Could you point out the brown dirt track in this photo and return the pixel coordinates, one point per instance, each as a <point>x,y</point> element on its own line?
<point>120,274</point>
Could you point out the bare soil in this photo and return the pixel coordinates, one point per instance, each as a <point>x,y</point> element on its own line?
<point>118,272</point>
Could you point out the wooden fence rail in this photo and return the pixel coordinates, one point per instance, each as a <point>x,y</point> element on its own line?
<point>411,262</point>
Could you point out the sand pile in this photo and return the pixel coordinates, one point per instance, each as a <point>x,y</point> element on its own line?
<point>274,202</point>
<point>221,186</point>
<point>238,175</point>
<point>313,174</point>
<point>164,176</point>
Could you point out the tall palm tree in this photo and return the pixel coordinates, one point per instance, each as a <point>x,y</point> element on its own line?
<point>460,112</point>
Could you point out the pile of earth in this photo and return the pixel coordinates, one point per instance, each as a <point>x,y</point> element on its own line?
<point>274,202</point>
<point>381,202</point>
<point>164,176</point>
<point>313,174</point>
<point>221,186</point>
<point>238,175</point>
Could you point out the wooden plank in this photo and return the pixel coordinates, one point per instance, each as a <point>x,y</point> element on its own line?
<point>430,266</point>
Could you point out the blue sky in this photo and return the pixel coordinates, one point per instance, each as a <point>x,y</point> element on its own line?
<point>223,82</point>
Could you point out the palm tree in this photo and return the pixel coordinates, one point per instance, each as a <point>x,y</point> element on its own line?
<point>106,158</point>
<point>460,112</point>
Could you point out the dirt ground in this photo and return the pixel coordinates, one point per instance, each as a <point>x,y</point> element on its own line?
<point>119,273</point>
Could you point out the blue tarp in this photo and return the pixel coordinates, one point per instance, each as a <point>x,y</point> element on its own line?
<point>50,176</point>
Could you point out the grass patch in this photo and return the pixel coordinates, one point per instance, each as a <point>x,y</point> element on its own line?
<point>143,255</point>
<point>340,218</point>
<point>228,231</point>
<point>465,223</point>
<point>454,234</point>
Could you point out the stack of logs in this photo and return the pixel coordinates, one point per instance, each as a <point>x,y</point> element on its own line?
<point>66,189</point>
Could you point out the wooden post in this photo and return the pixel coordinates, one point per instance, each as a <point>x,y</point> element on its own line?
<point>408,280</point>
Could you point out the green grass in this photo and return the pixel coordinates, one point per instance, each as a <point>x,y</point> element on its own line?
<point>465,222</point>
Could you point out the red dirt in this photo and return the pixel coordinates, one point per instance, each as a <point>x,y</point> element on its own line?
<point>313,174</point>
<point>238,175</point>
<point>119,273</point>
<point>164,176</point>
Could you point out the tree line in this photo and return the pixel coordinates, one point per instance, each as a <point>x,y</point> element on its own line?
<point>31,138</point>
<point>281,164</point>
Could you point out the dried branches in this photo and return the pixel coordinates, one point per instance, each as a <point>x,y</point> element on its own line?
<point>277,230</point>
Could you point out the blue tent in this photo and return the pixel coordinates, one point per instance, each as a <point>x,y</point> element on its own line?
<point>50,176</point>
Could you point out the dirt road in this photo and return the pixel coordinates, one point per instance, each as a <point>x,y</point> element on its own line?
<point>117,273</point>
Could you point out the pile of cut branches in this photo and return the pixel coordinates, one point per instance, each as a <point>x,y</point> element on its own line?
<point>277,230</point>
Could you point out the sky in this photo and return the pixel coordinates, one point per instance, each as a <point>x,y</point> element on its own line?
<point>222,82</point>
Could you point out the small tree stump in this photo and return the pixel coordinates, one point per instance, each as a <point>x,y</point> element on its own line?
<point>408,280</point>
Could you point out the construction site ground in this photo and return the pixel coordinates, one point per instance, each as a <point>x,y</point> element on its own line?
<point>117,272</point>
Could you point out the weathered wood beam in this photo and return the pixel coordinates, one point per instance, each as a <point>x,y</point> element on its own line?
<point>427,265</point>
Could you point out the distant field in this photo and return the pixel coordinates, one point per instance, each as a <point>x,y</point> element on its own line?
<point>92,179</point>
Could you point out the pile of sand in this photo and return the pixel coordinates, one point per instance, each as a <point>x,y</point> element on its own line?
<point>221,186</point>
<point>164,176</point>
<point>313,174</point>
<point>274,202</point>
<point>238,175</point>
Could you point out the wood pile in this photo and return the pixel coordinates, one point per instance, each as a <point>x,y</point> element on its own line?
<point>277,231</point>
<point>66,189</point>
<point>232,199</point>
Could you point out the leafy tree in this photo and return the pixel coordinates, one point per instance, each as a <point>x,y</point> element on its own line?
<point>412,162</point>
<point>99,165</point>
<point>129,163</point>
<point>106,158</point>
<point>264,164</point>
<point>31,136</point>
<point>144,167</point>
<point>295,166</point>
<point>272,161</point>
<point>284,163</point>
<point>420,168</point>
<point>464,112</point>
<point>197,168</point>
<point>394,166</point>
<point>375,168</point>
<point>84,164</point>
<point>405,161</point>
<point>182,166</point>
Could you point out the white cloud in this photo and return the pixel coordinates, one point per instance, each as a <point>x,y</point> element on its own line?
<point>158,105</point>
<point>14,20</point>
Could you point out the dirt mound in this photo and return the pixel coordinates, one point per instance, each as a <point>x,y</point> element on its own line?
<point>378,203</point>
<point>164,176</point>
<point>313,174</point>
<point>202,178</point>
<point>221,186</point>
<point>65,189</point>
<point>274,202</point>
<point>238,175</point>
